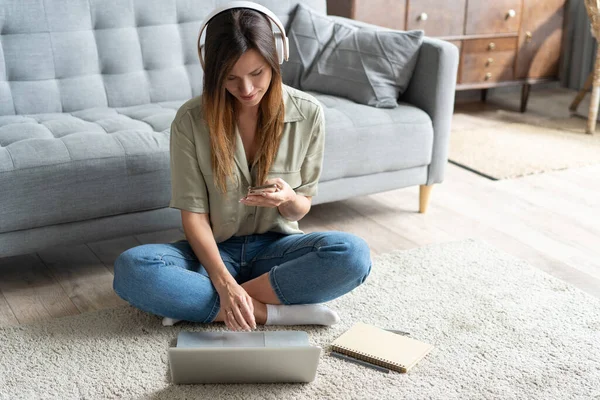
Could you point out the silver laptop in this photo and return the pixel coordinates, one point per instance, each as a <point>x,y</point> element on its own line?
<point>243,357</point>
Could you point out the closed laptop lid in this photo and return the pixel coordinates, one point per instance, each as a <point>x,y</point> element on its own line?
<point>243,364</point>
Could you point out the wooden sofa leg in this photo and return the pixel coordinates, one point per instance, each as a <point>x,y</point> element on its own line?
<point>424,194</point>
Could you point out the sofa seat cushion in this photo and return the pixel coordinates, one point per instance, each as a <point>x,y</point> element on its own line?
<point>363,140</point>
<point>66,167</point>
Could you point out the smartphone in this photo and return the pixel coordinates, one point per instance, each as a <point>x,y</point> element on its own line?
<point>262,189</point>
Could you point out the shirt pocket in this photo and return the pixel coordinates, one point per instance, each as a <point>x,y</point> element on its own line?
<point>293,178</point>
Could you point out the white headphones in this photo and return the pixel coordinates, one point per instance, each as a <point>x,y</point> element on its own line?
<point>281,41</point>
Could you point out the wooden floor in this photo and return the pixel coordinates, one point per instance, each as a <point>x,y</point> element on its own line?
<point>551,220</point>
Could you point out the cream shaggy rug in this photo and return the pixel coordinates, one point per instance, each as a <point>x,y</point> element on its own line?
<point>503,144</point>
<point>502,329</point>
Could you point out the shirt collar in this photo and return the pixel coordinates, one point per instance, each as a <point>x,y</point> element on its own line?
<point>292,110</point>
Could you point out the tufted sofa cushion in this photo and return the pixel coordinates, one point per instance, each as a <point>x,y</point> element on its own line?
<point>65,167</point>
<point>68,55</point>
<point>88,90</point>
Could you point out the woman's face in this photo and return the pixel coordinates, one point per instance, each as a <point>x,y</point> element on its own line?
<point>249,78</point>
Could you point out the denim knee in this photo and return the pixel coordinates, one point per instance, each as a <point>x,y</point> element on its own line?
<point>353,253</point>
<point>360,260</point>
<point>125,267</point>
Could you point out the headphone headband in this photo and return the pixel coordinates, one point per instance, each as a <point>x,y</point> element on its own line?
<point>244,4</point>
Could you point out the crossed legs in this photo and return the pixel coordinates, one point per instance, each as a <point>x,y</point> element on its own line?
<point>294,270</point>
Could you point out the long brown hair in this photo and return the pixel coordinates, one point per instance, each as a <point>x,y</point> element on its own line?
<point>228,35</point>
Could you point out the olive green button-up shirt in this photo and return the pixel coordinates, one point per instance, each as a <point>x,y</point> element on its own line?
<point>298,162</point>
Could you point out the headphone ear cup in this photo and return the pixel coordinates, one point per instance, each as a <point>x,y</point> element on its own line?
<point>279,46</point>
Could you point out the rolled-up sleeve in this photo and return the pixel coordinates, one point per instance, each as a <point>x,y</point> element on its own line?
<point>188,187</point>
<point>313,161</point>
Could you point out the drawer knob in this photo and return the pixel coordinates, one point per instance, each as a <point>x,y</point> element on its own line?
<point>488,76</point>
<point>491,46</point>
<point>489,61</point>
<point>528,36</point>
<point>511,14</point>
<point>423,17</point>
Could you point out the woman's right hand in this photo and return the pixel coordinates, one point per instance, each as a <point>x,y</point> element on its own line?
<point>237,307</point>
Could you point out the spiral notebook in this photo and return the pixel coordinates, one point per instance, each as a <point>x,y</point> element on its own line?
<point>380,347</point>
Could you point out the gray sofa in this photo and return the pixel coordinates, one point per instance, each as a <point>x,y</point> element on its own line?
<point>88,90</point>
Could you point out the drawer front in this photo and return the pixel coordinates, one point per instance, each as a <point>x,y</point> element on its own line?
<point>388,13</point>
<point>498,16</point>
<point>437,18</point>
<point>488,75</point>
<point>488,60</point>
<point>497,60</point>
<point>490,45</point>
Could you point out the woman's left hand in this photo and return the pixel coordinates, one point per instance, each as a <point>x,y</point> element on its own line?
<point>284,194</point>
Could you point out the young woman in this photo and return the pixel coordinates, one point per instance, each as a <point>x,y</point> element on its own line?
<point>244,261</point>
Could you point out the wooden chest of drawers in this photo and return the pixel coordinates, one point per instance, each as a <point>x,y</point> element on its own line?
<point>501,42</point>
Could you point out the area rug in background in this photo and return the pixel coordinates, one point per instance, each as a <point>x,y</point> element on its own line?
<point>503,144</point>
<point>502,329</point>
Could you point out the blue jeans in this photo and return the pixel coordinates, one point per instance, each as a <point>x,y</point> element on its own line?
<point>168,280</point>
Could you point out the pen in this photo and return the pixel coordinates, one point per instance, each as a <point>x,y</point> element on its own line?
<point>398,332</point>
<point>360,362</point>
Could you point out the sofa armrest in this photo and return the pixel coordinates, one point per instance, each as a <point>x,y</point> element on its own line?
<point>431,88</point>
